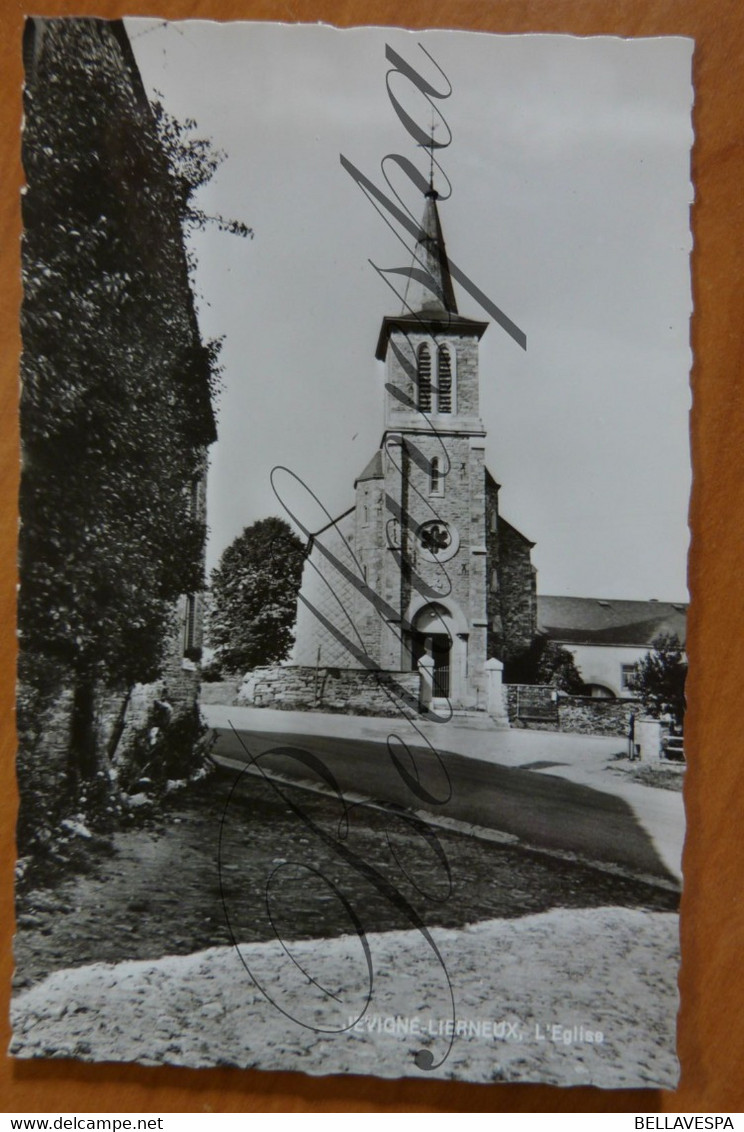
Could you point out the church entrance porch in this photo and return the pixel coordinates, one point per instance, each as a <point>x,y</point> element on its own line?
<point>437,646</point>
<point>434,635</point>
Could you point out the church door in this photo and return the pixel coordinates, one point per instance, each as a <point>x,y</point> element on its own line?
<point>440,651</point>
<point>438,645</point>
<point>431,636</point>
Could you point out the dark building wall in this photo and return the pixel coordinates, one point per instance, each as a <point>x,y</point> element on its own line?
<point>511,597</point>
<point>517,583</point>
<point>493,579</point>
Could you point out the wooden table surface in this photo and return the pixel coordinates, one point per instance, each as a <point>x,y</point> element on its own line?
<point>711,1023</point>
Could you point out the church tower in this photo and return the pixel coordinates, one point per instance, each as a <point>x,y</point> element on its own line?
<point>434,567</point>
<point>421,578</point>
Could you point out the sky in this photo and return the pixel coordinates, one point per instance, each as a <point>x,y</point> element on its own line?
<point>569,165</point>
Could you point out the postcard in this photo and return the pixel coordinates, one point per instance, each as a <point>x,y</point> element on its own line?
<point>354,419</point>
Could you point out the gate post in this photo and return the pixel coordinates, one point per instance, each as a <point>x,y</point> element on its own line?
<point>648,737</point>
<point>426,681</point>
<point>496,692</point>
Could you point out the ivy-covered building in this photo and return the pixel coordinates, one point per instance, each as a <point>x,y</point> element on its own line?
<point>116,411</point>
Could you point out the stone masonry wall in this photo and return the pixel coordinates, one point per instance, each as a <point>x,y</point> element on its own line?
<point>516,580</point>
<point>401,370</point>
<point>331,601</point>
<point>533,706</point>
<point>588,716</point>
<point>349,691</point>
<point>141,701</point>
<point>48,739</point>
<point>43,741</point>
<point>495,632</point>
<point>219,691</point>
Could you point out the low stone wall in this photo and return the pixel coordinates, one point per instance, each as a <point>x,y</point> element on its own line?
<point>589,716</point>
<point>51,732</point>
<point>181,681</point>
<point>137,713</point>
<point>219,692</point>
<point>178,687</point>
<point>533,706</point>
<point>342,690</point>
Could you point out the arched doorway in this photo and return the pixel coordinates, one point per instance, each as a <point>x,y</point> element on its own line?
<point>433,634</point>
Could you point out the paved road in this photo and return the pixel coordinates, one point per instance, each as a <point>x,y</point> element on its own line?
<point>541,809</point>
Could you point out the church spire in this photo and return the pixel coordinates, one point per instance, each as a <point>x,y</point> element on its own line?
<point>429,305</point>
<point>429,287</point>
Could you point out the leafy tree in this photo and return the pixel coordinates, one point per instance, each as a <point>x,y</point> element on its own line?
<point>545,662</point>
<point>193,161</point>
<point>253,599</point>
<point>660,678</point>
<point>116,406</point>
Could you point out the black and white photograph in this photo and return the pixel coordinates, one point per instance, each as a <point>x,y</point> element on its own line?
<point>353,550</point>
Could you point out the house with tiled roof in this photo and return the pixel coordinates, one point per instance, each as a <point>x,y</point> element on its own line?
<point>608,637</point>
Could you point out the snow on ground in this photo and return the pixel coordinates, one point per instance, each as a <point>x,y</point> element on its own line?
<point>532,995</point>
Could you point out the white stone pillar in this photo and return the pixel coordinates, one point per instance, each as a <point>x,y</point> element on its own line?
<point>496,692</point>
<point>648,737</point>
<point>459,692</point>
<point>426,687</point>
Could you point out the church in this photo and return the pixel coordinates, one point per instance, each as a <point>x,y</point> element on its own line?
<point>422,575</point>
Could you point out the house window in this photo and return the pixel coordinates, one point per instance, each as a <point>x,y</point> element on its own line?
<point>627,675</point>
<point>444,380</point>
<point>435,477</point>
<point>494,581</point>
<point>424,379</point>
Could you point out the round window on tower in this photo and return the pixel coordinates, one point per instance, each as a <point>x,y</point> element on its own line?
<point>438,542</point>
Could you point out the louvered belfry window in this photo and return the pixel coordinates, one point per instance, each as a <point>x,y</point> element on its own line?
<point>435,482</point>
<point>444,380</point>
<point>424,379</point>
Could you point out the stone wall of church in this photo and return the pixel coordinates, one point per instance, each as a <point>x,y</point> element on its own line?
<point>369,544</point>
<point>517,585</point>
<point>348,691</point>
<point>493,599</point>
<point>400,411</point>
<point>341,625</point>
<point>460,502</point>
<point>459,581</point>
<point>478,569</point>
<point>512,596</point>
<point>468,400</point>
<point>381,574</point>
